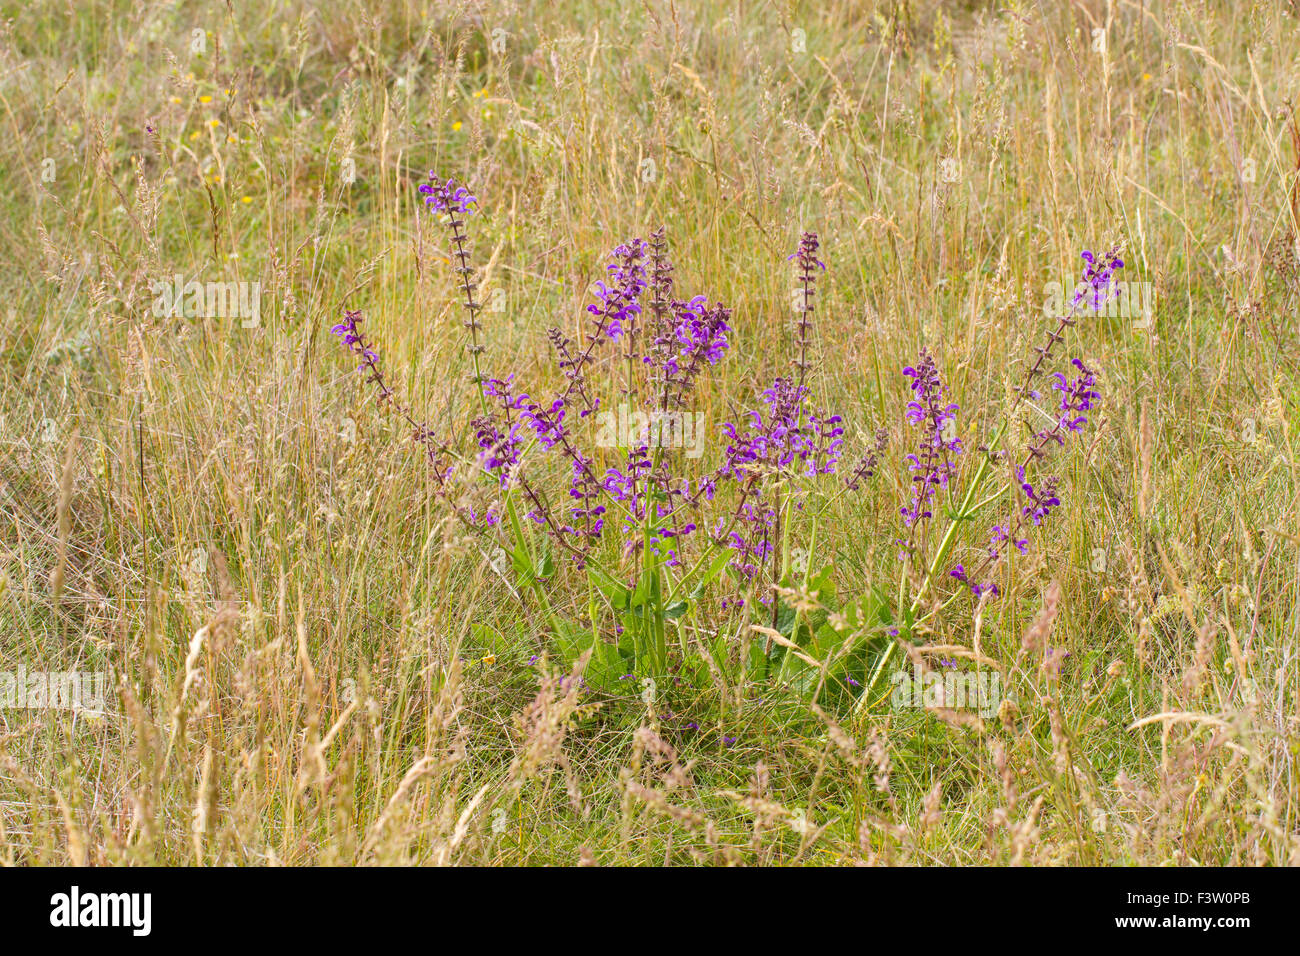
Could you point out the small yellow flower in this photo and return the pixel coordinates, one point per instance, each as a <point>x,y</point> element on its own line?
<point>214,123</point>
<point>490,659</point>
<point>245,199</point>
<point>455,127</point>
<point>205,99</point>
<point>194,135</point>
<point>173,99</point>
<point>1146,76</point>
<point>232,138</point>
<point>479,94</point>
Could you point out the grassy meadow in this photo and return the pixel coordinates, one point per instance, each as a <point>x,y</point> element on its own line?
<point>312,658</point>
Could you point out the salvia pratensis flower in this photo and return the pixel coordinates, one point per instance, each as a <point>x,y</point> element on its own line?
<point>932,465</point>
<point>352,337</point>
<point>620,296</point>
<point>499,449</point>
<point>444,196</point>
<point>1039,504</point>
<point>806,274</point>
<point>1094,290</point>
<point>349,330</point>
<point>1077,395</point>
<point>959,573</point>
<point>1097,287</point>
<point>774,440</point>
<point>698,338</point>
<point>614,316</point>
<point>785,438</point>
<point>866,466</point>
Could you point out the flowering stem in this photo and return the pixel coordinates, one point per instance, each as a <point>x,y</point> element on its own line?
<point>798,614</point>
<point>965,511</point>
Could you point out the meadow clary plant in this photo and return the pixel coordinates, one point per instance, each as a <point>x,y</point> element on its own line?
<point>662,546</point>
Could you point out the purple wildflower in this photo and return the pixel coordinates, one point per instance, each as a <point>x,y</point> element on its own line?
<point>866,466</point>
<point>620,297</point>
<point>932,465</point>
<point>1042,501</point>
<point>347,330</point>
<point>445,196</point>
<point>686,337</point>
<point>777,440</point>
<point>1096,286</point>
<point>1076,395</point>
<point>806,257</point>
<point>1095,289</point>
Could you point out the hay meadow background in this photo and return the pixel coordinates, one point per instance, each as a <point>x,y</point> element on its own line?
<point>312,663</point>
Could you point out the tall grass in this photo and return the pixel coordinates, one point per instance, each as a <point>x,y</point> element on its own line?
<point>314,662</point>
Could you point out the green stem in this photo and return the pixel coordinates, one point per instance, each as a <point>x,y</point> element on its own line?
<point>964,512</point>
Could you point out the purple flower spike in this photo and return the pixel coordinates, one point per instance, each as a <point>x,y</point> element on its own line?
<point>1077,395</point>
<point>1040,502</point>
<point>445,196</point>
<point>1097,285</point>
<point>932,465</point>
<point>620,296</point>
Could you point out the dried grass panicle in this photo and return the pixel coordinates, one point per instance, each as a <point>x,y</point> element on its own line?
<point>1034,642</point>
<point>545,722</point>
